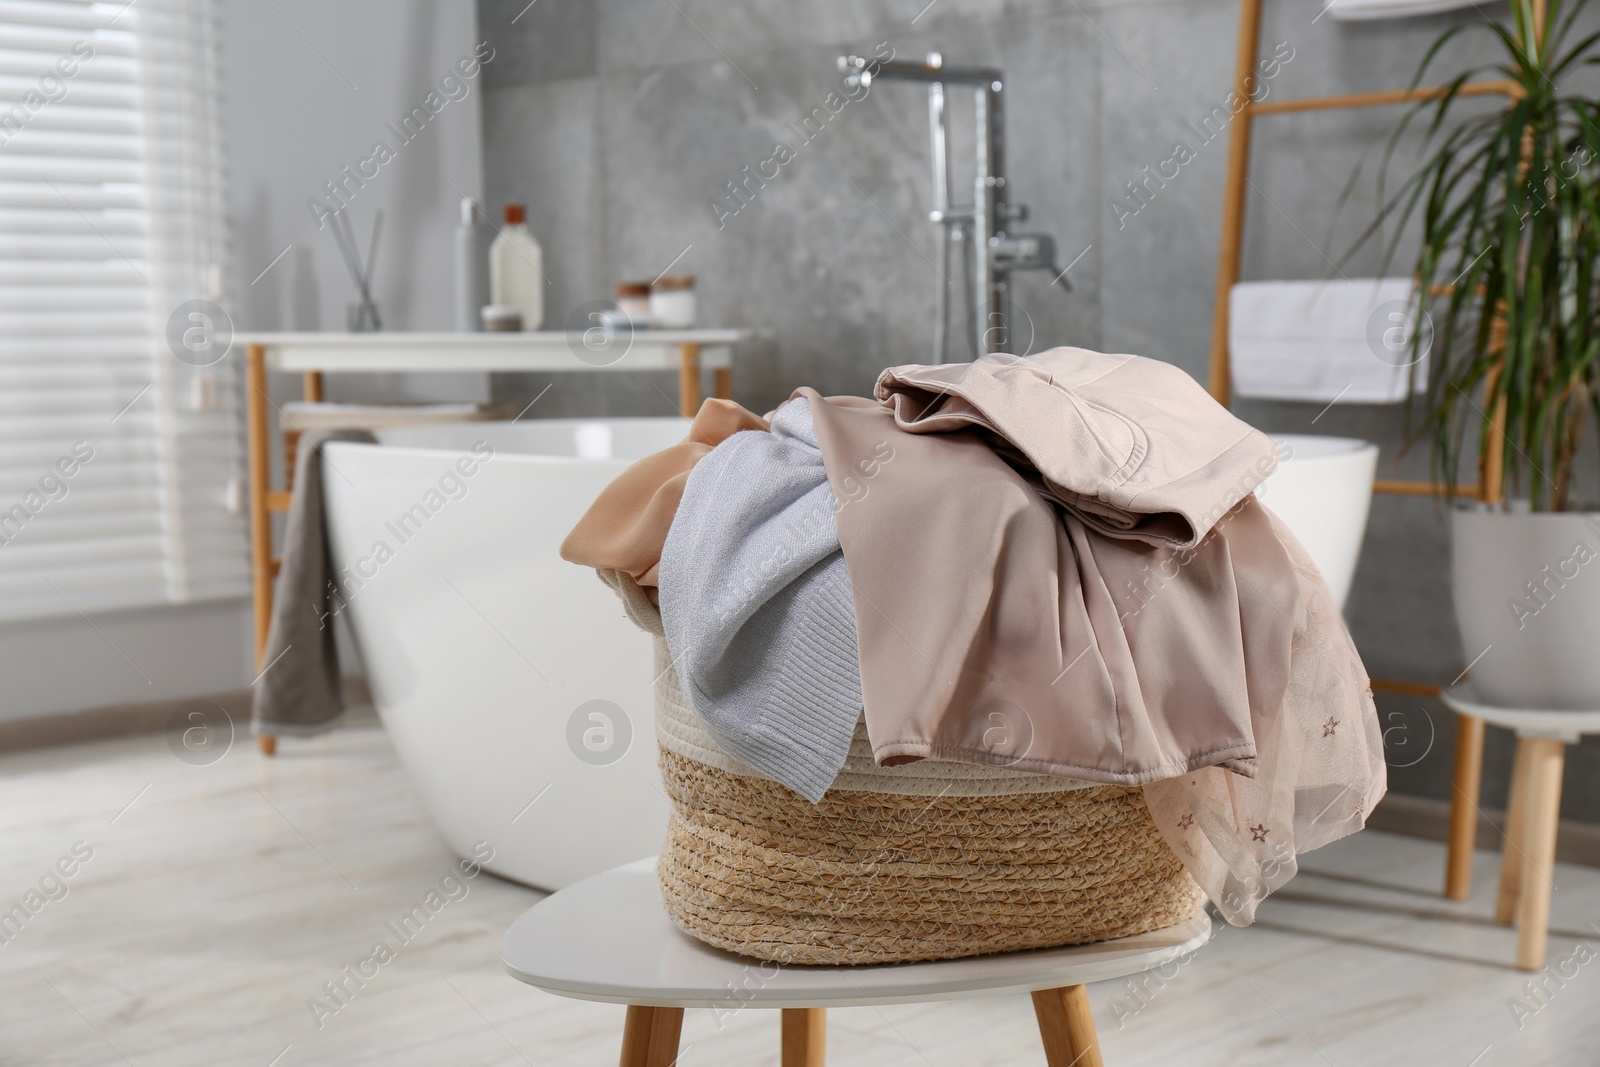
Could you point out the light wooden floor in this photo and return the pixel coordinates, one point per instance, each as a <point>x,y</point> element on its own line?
<point>219,899</point>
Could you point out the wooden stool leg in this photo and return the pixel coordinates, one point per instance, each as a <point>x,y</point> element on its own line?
<point>1543,804</point>
<point>1511,855</point>
<point>804,1036</point>
<point>1464,807</point>
<point>665,1029</point>
<point>723,380</point>
<point>650,1036</point>
<point>636,1036</point>
<point>1067,1027</point>
<point>268,744</point>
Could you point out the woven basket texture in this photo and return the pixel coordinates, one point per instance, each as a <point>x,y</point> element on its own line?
<point>886,877</point>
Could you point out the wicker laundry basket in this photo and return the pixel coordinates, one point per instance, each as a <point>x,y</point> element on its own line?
<point>930,860</point>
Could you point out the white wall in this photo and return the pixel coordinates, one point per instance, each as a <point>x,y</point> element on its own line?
<point>292,120</point>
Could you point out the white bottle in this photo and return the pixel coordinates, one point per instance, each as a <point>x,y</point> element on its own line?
<point>515,277</point>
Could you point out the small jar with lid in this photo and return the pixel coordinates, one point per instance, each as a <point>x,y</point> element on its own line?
<point>633,301</point>
<point>672,302</point>
<point>501,318</point>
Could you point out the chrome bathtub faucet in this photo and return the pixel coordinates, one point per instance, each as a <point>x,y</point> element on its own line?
<point>990,252</point>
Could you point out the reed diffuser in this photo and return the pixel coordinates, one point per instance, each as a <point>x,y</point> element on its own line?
<point>361,316</point>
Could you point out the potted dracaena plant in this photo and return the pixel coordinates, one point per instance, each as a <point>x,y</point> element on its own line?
<point>1506,204</point>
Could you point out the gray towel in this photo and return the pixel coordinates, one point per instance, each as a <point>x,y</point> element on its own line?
<point>756,604</point>
<point>298,692</point>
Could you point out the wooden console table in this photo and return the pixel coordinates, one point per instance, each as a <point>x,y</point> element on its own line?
<point>687,352</point>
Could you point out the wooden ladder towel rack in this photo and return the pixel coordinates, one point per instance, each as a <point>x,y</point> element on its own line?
<point>1468,771</point>
<point>265,501</point>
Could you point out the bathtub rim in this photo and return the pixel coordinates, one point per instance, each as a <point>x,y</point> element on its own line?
<point>1342,449</point>
<point>676,423</point>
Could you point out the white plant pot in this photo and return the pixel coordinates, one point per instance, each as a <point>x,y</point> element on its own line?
<point>1527,589</point>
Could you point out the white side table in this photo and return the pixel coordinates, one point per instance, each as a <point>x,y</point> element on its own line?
<point>1527,862</point>
<point>607,938</point>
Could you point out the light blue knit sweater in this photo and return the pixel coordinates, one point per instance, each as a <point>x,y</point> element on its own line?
<point>756,604</point>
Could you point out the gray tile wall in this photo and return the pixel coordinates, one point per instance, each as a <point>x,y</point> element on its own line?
<point>621,121</point>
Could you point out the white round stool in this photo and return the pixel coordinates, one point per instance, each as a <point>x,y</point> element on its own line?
<point>607,938</point>
<point>1527,862</point>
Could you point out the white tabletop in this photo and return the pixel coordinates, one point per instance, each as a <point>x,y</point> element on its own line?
<point>541,351</point>
<point>1554,723</point>
<point>607,938</point>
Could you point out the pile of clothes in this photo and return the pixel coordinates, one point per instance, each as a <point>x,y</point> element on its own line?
<point>1054,564</point>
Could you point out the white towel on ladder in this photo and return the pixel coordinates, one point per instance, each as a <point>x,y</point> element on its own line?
<point>1347,340</point>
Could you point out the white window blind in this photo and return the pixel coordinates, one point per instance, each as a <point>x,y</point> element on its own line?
<point>118,461</point>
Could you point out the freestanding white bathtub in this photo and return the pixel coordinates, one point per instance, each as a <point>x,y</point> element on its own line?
<point>510,683</point>
<point>516,693</point>
<point>1322,490</point>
